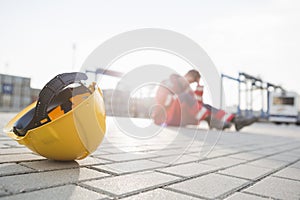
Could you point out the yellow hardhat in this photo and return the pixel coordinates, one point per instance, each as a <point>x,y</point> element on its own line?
<point>67,122</point>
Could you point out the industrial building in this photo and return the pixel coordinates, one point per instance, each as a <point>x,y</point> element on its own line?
<point>16,93</point>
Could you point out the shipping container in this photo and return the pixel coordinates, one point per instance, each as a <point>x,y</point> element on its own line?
<point>7,79</point>
<point>17,81</point>
<point>17,90</point>
<point>16,102</point>
<point>25,91</point>
<point>26,82</point>
<point>26,101</point>
<point>6,100</point>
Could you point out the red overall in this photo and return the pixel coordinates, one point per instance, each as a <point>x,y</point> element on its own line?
<point>178,105</point>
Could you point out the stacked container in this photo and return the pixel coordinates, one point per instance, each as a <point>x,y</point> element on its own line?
<point>15,92</point>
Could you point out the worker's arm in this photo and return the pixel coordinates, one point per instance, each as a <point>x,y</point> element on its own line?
<point>199,93</point>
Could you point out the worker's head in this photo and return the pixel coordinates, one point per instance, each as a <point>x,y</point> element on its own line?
<point>192,76</point>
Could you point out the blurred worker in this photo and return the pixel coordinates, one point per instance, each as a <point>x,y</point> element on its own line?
<point>179,105</point>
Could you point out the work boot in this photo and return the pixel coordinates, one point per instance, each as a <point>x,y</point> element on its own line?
<point>217,124</point>
<point>240,122</point>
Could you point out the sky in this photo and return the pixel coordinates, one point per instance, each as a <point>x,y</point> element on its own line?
<point>259,37</point>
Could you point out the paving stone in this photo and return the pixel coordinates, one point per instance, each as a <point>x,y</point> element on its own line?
<point>160,194</point>
<point>274,187</point>
<point>12,168</point>
<point>246,171</point>
<point>267,151</point>
<point>4,137</point>
<point>294,152</point>
<point>19,158</point>
<point>209,186</point>
<point>157,148</point>
<point>33,181</point>
<point>175,159</point>
<point>222,162</point>
<point>188,170</point>
<point>289,172</point>
<point>219,153</point>
<point>126,156</point>
<point>52,165</point>
<point>3,192</point>
<point>14,151</point>
<point>284,157</point>
<point>48,178</point>
<point>134,149</point>
<point>296,165</point>
<point>247,156</point>
<point>91,161</point>
<point>58,193</point>
<point>11,143</point>
<point>131,166</point>
<point>121,150</point>
<point>268,163</point>
<point>244,196</point>
<point>125,184</point>
<point>170,152</point>
<point>108,151</point>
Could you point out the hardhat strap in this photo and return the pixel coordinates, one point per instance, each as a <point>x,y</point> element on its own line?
<point>47,94</point>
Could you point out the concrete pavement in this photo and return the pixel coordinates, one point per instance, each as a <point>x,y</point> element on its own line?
<point>260,162</point>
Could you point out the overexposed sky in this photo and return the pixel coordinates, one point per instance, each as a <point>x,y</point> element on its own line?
<point>260,37</point>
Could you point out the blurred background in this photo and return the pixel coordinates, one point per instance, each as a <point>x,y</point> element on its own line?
<point>40,39</point>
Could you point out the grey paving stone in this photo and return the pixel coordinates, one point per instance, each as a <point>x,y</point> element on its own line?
<point>33,181</point>
<point>294,152</point>
<point>268,163</point>
<point>218,153</point>
<point>52,165</point>
<point>19,157</point>
<point>126,156</point>
<point>284,157</point>
<point>106,151</point>
<point>157,148</point>
<point>160,194</point>
<point>131,166</point>
<point>3,192</point>
<point>114,150</point>
<point>175,159</point>
<point>58,193</point>
<point>247,156</point>
<point>10,143</point>
<point>14,151</point>
<point>12,168</point>
<point>4,137</point>
<point>125,184</point>
<point>222,162</point>
<point>190,169</point>
<point>209,186</point>
<point>246,171</point>
<point>91,161</point>
<point>229,143</point>
<point>239,196</point>
<point>267,151</point>
<point>274,187</point>
<point>296,165</point>
<point>289,172</point>
<point>171,152</point>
